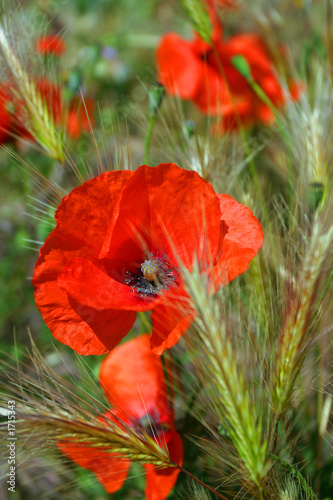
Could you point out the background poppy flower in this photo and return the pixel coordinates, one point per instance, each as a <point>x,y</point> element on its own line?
<point>229,4</point>
<point>225,3</point>
<point>205,74</point>
<point>6,114</point>
<point>116,250</point>
<point>133,380</point>
<point>50,44</point>
<point>80,117</point>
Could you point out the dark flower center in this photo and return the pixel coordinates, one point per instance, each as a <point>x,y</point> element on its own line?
<point>153,276</point>
<point>151,425</point>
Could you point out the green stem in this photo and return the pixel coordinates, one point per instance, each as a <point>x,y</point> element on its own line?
<point>151,125</point>
<point>266,100</point>
<point>285,136</point>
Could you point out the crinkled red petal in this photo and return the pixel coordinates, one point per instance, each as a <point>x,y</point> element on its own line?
<point>175,211</point>
<point>170,320</point>
<point>88,283</point>
<point>87,211</point>
<point>241,243</point>
<point>84,328</point>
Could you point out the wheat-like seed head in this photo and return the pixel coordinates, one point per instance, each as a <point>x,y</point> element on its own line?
<point>20,69</point>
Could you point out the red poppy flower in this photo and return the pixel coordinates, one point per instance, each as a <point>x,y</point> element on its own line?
<point>137,390</point>
<point>206,75</point>
<point>116,250</point>
<point>50,44</point>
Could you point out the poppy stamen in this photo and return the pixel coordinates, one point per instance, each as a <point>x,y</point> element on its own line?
<point>149,269</point>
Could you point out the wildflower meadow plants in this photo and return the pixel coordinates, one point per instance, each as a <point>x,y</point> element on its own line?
<point>174,336</point>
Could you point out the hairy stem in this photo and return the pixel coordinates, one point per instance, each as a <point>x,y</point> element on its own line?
<point>151,125</point>
<point>253,170</point>
<point>209,488</point>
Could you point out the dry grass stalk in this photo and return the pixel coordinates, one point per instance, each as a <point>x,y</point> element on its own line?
<point>198,14</point>
<point>303,311</point>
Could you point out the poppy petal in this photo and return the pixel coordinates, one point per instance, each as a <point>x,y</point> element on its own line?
<point>188,227</point>
<point>179,66</point>
<point>6,118</point>
<point>89,284</point>
<point>241,243</point>
<point>250,46</point>
<point>136,386</point>
<point>87,211</point>
<point>170,321</point>
<point>50,44</point>
<point>80,326</point>
<point>109,469</point>
<point>80,117</point>
<point>161,481</point>
<point>212,91</point>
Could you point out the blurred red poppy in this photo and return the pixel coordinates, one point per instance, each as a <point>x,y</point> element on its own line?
<point>226,3</point>
<point>116,250</point>
<point>137,391</point>
<point>229,4</point>
<point>50,44</point>
<point>80,117</point>
<point>6,114</point>
<point>206,75</point>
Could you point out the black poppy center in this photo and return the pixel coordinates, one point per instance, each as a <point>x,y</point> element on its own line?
<point>152,276</point>
<point>151,424</point>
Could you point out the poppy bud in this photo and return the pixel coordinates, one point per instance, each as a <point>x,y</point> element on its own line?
<point>241,64</point>
<point>155,96</point>
<point>189,128</point>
